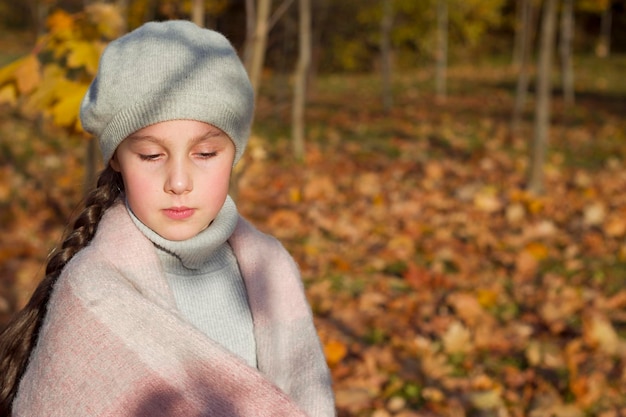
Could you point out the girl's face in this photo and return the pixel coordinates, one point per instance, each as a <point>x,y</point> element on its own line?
<point>176,175</point>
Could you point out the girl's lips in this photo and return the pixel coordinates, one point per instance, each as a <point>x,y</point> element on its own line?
<point>179,213</point>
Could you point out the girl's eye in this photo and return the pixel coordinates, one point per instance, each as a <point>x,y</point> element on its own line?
<point>206,155</point>
<point>149,157</point>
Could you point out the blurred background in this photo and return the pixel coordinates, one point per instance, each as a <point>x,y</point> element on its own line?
<point>449,174</point>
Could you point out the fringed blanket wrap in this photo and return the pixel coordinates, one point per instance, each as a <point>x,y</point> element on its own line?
<point>114,344</point>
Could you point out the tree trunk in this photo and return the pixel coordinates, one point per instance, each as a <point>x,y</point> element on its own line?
<point>320,14</point>
<point>122,5</point>
<point>442,50</point>
<point>256,44</point>
<point>149,12</point>
<point>565,49</point>
<point>250,30</point>
<point>298,126</point>
<point>41,10</point>
<point>519,39</point>
<point>198,12</point>
<point>526,35</point>
<point>603,49</point>
<point>386,25</point>
<point>542,109</point>
<point>278,13</point>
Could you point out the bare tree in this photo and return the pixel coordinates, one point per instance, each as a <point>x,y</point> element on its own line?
<point>565,49</point>
<point>518,41</point>
<point>257,40</point>
<point>259,23</point>
<point>526,34</point>
<point>302,69</point>
<point>442,50</point>
<point>250,30</point>
<point>603,49</point>
<point>122,5</point>
<point>542,109</point>
<point>149,12</point>
<point>198,12</point>
<point>386,25</point>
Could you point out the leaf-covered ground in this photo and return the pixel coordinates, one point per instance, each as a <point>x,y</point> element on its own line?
<point>440,287</point>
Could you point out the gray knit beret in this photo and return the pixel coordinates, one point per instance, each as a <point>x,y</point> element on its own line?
<point>167,71</point>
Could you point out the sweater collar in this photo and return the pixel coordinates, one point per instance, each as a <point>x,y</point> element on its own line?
<point>193,253</point>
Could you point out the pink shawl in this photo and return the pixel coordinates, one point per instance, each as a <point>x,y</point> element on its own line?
<point>114,344</point>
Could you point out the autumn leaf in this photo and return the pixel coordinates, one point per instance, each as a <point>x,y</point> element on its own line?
<point>8,95</point>
<point>468,308</point>
<point>335,351</point>
<point>537,250</point>
<point>65,110</point>
<point>487,200</point>
<point>515,213</point>
<point>319,187</point>
<point>83,54</point>
<point>369,184</point>
<point>107,17</point>
<point>457,339</point>
<point>53,85</point>
<point>401,246</point>
<point>487,400</point>
<point>27,75</point>
<point>285,222</point>
<point>7,73</point>
<point>594,214</point>
<point>600,333</point>
<point>61,25</point>
<point>49,80</point>
<point>60,22</point>
<point>615,225</point>
<point>487,298</point>
<point>534,204</point>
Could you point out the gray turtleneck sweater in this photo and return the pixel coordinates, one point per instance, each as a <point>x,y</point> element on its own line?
<point>208,288</point>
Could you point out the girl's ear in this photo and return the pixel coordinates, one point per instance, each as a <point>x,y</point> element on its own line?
<point>114,163</point>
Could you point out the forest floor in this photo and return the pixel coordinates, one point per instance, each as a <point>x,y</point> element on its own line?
<point>439,285</point>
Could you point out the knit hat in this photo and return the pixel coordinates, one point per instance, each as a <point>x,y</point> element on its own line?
<point>167,71</point>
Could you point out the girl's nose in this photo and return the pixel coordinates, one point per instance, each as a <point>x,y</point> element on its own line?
<point>179,179</point>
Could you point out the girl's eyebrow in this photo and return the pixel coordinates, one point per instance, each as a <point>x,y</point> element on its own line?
<point>209,135</point>
<point>148,138</point>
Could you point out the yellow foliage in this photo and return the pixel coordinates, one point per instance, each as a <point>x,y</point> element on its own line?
<point>27,75</point>
<point>594,6</point>
<point>84,54</point>
<point>538,250</point>
<point>52,84</point>
<point>487,298</point>
<point>215,7</point>
<point>7,74</point>
<point>107,18</point>
<point>24,72</point>
<point>52,79</point>
<point>65,111</point>
<point>8,95</point>
<point>535,206</point>
<point>335,351</point>
<point>57,97</point>
<point>457,339</point>
<point>60,22</point>
<point>295,195</point>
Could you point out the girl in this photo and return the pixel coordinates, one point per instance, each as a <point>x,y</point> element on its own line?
<point>162,300</point>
